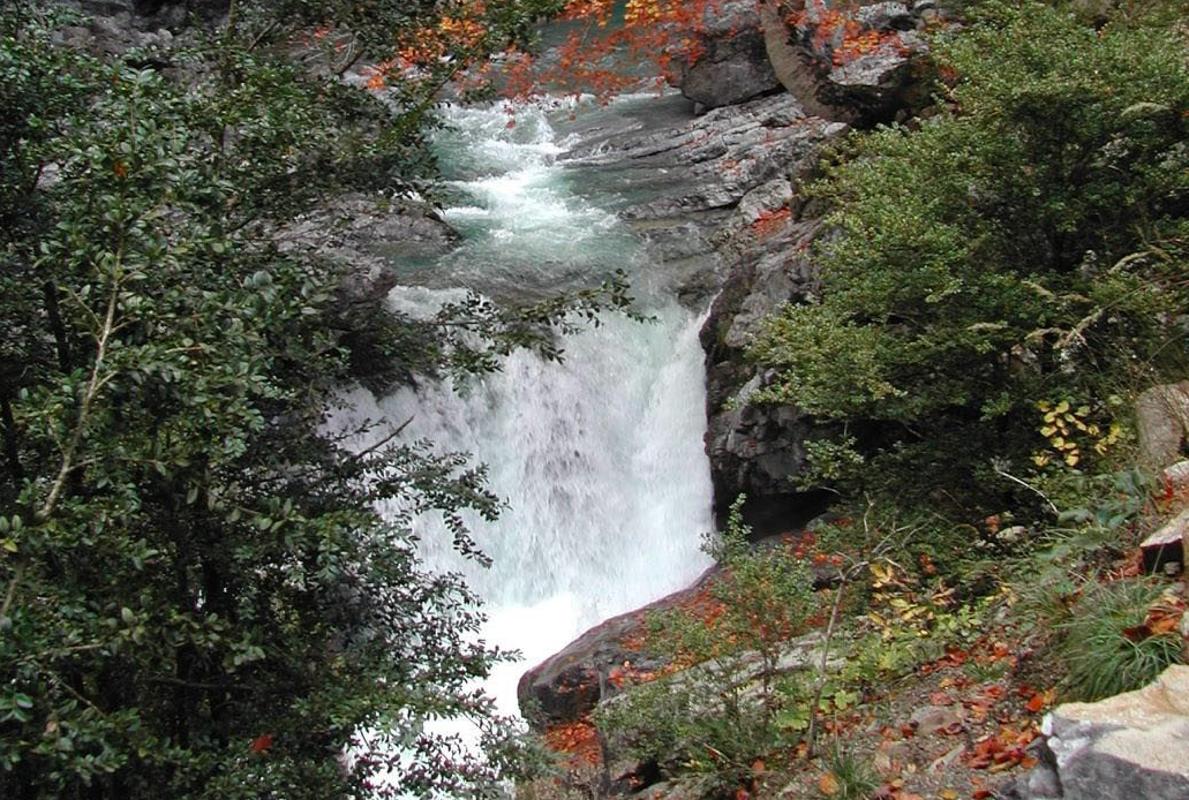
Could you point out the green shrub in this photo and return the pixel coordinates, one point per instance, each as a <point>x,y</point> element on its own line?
<point>1028,243</point>
<point>1104,646</point>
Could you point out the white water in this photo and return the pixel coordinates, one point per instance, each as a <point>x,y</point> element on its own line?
<point>600,458</point>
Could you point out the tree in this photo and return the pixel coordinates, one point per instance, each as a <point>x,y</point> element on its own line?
<point>1026,246</point>
<point>197,595</point>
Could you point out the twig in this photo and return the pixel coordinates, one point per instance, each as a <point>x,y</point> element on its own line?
<point>1002,473</point>
<point>94,384</point>
<point>399,429</point>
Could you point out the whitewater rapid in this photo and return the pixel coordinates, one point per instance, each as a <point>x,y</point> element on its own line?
<point>599,458</point>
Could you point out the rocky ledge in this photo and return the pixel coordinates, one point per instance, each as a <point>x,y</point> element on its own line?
<point>1128,746</point>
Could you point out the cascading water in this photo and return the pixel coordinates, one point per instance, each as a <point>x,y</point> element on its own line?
<point>600,458</point>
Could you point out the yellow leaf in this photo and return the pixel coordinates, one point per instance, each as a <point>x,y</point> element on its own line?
<point>948,794</point>
<point>1048,430</point>
<point>828,784</point>
<point>1072,459</point>
<point>1062,407</point>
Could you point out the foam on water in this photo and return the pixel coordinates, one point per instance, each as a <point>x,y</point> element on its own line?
<point>599,458</point>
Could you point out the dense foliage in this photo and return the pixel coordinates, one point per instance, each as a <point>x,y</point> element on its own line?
<point>197,598</point>
<point>1027,245</point>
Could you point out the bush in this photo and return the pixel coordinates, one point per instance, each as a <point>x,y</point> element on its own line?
<point>1027,243</point>
<point>727,705</point>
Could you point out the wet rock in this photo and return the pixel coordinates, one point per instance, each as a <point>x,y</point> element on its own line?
<point>758,449</point>
<point>691,176</point>
<point>1128,746</point>
<point>368,237</point>
<point>1162,421</point>
<point>569,684</point>
<point>733,64</point>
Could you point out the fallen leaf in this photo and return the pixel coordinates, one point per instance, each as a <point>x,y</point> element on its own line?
<point>828,784</point>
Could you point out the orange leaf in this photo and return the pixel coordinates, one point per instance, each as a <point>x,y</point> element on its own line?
<point>828,784</point>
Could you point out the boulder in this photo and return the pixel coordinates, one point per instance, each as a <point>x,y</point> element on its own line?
<point>1162,422</point>
<point>855,65</point>
<point>568,685</point>
<point>732,65</point>
<point>1133,745</point>
<point>1165,548</point>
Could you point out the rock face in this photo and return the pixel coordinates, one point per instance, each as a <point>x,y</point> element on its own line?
<point>567,686</point>
<point>733,65</point>
<point>114,27</point>
<point>843,65</point>
<point>364,235</point>
<point>720,211</point>
<point>858,66</point>
<point>1133,745</point>
<point>758,449</point>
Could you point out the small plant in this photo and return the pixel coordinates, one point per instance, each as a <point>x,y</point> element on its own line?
<point>847,777</point>
<point>1069,431</point>
<point>729,702</point>
<point>1110,644</point>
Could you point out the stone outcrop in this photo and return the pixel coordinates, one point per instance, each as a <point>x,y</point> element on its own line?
<point>720,211</point>
<point>733,65</point>
<point>855,66</point>
<point>365,236</point>
<point>692,176</point>
<point>1129,746</point>
<point>859,66</point>
<point>114,27</point>
<point>1162,420</point>
<point>568,685</point>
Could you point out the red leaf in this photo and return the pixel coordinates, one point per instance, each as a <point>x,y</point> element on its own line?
<point>261,744</point>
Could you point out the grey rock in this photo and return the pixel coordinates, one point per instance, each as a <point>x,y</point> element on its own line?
<point>1166,546</point>
<point>863,88</point>
<point>886,16</point>
<point>1129,746</point>
<point>1176,477</point>
<point>1162,421</point>
<point>733,65</point>
<point>931,719</point>
<point>569,684</point>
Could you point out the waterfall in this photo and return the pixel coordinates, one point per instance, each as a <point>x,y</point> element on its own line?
<point>599,458</point>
